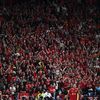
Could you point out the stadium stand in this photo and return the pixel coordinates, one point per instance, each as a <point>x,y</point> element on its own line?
<point>50,50</point>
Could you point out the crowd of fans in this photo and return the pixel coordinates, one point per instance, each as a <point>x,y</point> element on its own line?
<point>47,47</point>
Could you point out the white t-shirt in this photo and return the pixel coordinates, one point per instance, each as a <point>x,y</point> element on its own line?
<point>12,89</point>
<point>47,94</point>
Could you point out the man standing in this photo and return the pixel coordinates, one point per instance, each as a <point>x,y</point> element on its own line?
<point>74,93</point>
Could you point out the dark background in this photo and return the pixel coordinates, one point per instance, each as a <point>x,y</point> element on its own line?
<point>12,2</point>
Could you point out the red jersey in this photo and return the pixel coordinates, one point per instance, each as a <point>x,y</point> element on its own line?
<point>73,94</point>
<point>51,89</point>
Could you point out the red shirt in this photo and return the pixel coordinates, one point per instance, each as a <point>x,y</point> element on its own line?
<point>73,93</point>
<point>51,89</point>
